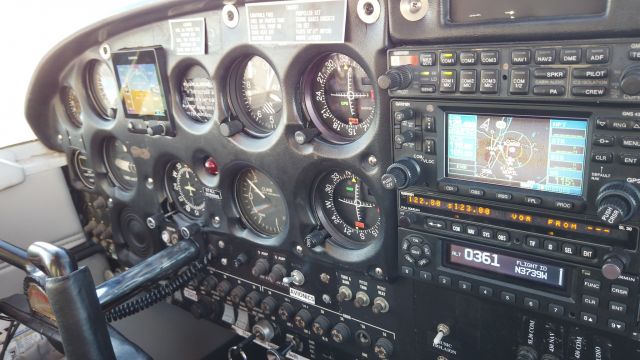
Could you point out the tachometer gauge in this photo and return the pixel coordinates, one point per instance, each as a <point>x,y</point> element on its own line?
<point>185,189</point>
<point>347,209</point>
<point>258,96</point>
<point>339,98</point>
<point>103,89</point>
<point>81,167</point>
<point>120,166</point>
<point>197,94</point>
<point>261,202</point>
<point>72,105</point>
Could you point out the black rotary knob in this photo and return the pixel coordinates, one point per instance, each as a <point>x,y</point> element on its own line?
<point>404,137</point>
<point>383,348</point>
<point>617,202</point>
<point>261,267</point>
<point>302,319</point>
<point>237,294</point>
<point>630,80</point>
<point>268,305</point>
<point>395,78</point>
<point>209,284</point>
<point>316,238</point>
<point>401,174</point>
<point>223,288</point>
<point>612,267</point>
<point>278,271</point>
<point>340,333</point>
<point>286,311</point>
<point>253,299</point>
<point>321,325</point>
<point>404,114</point>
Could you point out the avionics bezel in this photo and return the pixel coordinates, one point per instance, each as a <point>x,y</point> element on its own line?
<point>146,55</point>
<point>547,118</point>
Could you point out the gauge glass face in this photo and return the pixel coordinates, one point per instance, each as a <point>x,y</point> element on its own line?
<point>347,208</point>
<point>261,202</point>
<point>104,89</point>
<point>86,175</point>
<point>261,95</point>
<point>120,165</point>
<point>72,105</point>
<point>340,98</point>
<point>197,94</point>
<point>185,189</point>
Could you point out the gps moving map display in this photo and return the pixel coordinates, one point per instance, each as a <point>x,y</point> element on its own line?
<point>140,85</point>
<point>545,154</point>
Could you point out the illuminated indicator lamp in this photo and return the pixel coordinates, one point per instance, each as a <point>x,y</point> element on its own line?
<point>425,73</point>
<point>211,166</point>
<point>354,121</point>
<point>359,225</point>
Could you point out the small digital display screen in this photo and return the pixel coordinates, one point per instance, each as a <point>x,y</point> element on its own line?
<point>544,154</point>
<point>475,11</point>
<point>507,265</point>
<point>140,84</point>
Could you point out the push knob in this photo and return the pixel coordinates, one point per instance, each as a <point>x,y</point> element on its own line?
<point>253,300</point>
<point>404,114</point>
<point>302,319</point>
<point>223,288</point>
<point>321,325</point>
<point>340,333</point>
<point>395,78</point>
<point>268,305</point>
<point>277,273</point>
<point>617,202</point>
<point>260,267</point>
<point>316,238</point>
<point>286,311</point>
<point>630,81</point>
<point>157,130</point>
<point>401,174</point>
<point>344,294</point>
<point>306,135</point>
<point>404,137</point>
<point>240,260</point>
<point>612,267</point>
<point>237,294</point>
<point>230,128</point>
<point>263,330</point>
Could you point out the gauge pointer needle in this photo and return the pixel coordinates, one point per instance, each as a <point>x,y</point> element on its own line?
<point>350,93</point>
<point>256,189</point>
<point>356,199</point>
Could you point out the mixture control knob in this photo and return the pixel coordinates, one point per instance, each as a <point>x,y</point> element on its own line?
<point>240,260</point>
<point>316,238</point>
<point>268,305</point>
<point>383,348</point>
<point>401,174</point>
<point>237,294</point>
<point>253,300</point>
<point>395,78</point>
<point>380,305</point>
<point>612,267</point>
<point>261,267</point>
<point>630,80</point>
<point>404,114</point>
<point>278,272</point>
<point>617,202</point>
<point>405,137</point>
<point>340,333</point>
<point>223,288</point>
<point>302,319</point>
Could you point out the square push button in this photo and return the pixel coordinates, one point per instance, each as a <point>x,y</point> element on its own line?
<point>488,81</point>
<point>531,303</point>
<point>619,290</point>
<point>590,284</point>
<point>597,55</point>
<point>485,291</point>
<point>448,80</point>
<point>545,56</point>
<point>468,58</point>
<point>448,58</point>
<point>428,59</point>
<point>588,318</point>
<point>508,297</point>
<point>520,57</point>
<point>468,84</point>
<point>489,57</point>
<point>556,309</point>
<point>519,82</point>
<point>570,56</point>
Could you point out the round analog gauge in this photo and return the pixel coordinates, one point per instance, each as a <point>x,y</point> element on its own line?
<point>185,189</point>
<point>339,97</point>
<point>261,202</point>
<point>103,89</point>
<point>347,209</point>
<point>120,165</point>
<point>72,105</point>
<point>81,167</point>
<point>197,94</point>
<point>259,96</point>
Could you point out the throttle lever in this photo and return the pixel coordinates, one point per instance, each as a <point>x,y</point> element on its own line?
<point>237,350</point>
<point>281,352</point>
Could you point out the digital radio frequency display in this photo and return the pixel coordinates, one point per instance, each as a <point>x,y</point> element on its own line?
<point>507,265</point>
<point>545,154</point>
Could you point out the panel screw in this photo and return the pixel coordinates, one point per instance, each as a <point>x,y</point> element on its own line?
<point>379,272</point>
<point>221,244</point>
<point>299,249</point>
<point>216,221</point>
<point>326,298</point>
<point>149,183</point>
<point>224,261</point>
<point>325,278</point>
<point>372,160</point>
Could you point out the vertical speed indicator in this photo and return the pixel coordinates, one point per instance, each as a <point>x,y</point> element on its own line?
<point>347,209</point>
<point>339,98</point>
